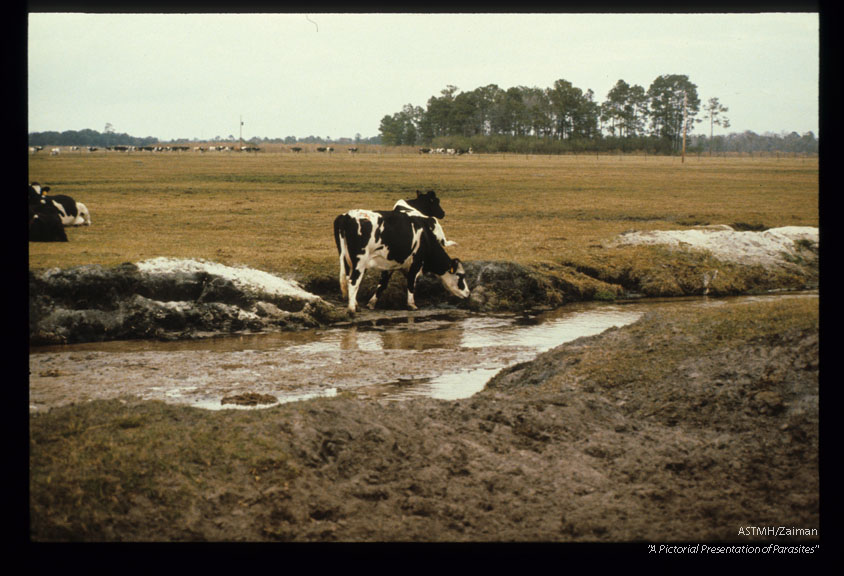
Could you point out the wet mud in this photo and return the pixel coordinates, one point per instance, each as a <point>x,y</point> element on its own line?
<point>437,353</point>
<point>686,425</point>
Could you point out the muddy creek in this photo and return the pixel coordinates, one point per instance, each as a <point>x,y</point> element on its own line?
<point>389,355</point>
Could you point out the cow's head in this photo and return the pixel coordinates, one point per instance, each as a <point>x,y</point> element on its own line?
<point>37,192</point>
<point>428,204</point>
<point>454,279</point>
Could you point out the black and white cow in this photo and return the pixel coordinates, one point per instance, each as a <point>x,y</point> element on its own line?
<point>45,225</point>
<point>71,212</point>
<point>426,204</point>
<point>390,241</point>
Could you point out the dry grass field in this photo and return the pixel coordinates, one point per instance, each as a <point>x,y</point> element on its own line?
<point>683,426</point>
<point>274,210</point>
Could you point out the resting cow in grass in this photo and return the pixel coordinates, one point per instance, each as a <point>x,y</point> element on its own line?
<point>390,241</point>
<point>45,224</point>
<point>71,212</point>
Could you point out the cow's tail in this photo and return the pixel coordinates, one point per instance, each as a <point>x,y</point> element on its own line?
<point>341,224</point>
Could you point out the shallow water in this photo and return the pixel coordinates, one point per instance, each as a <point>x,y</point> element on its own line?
<point>446,356</point>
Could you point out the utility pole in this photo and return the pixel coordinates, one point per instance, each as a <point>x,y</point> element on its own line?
<point>241,130</point>
<point>685,124</point>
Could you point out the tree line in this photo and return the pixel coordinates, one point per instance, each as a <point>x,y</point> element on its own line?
<point>564,118</point>
<point>88,137</point>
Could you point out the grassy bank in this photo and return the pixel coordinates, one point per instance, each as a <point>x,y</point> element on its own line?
<point>274,211</point>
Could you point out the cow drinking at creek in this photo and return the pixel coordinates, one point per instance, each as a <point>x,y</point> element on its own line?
<point>390,241</point>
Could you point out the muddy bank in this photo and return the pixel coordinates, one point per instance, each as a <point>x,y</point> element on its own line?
<point>165,299</point>
<point>177,299</point>
<point>685,426</point>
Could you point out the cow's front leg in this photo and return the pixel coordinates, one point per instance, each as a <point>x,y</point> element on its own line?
<point>412,275</point>
<point>382,285</point>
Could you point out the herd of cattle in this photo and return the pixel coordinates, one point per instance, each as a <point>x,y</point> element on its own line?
<point>449,151</point>
<point>201,149</point>
<point>409,238</point>
<point>49,214</point>
<point>55,151</point>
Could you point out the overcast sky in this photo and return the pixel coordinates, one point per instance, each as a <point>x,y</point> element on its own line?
<point>194,75</point>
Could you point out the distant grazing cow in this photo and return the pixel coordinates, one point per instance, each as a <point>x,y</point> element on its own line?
<point>353,149</point>
<point>55,151</point>
<point>424,150</point>
<point>321,149</point>
<point>390,241</point>
<point>296,149</point>
<point>71,212</point>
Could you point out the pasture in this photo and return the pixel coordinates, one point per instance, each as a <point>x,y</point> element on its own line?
<point>274,210</point>
<point>678,427</point>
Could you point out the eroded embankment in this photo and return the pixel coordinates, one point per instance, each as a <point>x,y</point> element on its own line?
<point>685,426</point>
<point>165,299</point>
<point>171,299</point>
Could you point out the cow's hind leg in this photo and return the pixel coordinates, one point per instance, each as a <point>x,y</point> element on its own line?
<point>355,278</point>
<point>344,277</point>
<point>382,285</point>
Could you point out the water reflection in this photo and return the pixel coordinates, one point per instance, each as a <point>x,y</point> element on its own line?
<point>394,358</point>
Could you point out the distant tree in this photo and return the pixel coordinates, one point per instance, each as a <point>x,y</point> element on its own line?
<point>613,108</point>
<point>585,124</point>
<point>714,110</point>
<point>565,102</point>
<point>669,95</point>
<point>438,117</point>
<point>636,111</point>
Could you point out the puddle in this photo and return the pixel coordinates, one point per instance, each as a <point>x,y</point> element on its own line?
<point>392,358</point>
